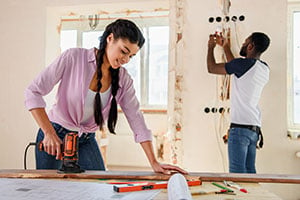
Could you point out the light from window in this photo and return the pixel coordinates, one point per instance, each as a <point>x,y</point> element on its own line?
<point>91,39</point>
<point>68,39</point>
<point>158,65</point>
<point>134,69</point>
<point>296,66</point>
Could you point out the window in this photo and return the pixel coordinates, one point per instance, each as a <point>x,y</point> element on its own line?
<point>149,68</point>
<point>294,67</point>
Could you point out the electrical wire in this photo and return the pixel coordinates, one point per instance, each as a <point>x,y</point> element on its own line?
<point>218,132</point>
<point>225,79</point>
<point>236,36</point>
<point>219,142</point>
<point>222,89</point>
<point>223,128</point>
<point>223,85</point>
<point>25,153</point>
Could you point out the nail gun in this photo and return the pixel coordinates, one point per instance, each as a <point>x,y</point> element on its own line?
<point>69,155</point>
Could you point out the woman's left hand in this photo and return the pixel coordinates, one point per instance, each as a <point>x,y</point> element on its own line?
<point>156,166</point>
<point>167,169</point>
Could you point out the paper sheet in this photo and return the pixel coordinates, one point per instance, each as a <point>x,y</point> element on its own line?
<point>178,188</point>
<point>33,189</point>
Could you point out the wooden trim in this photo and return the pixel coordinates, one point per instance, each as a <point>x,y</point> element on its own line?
<point>109,18</point>
<point>154,111</point>
<point>145,175</point>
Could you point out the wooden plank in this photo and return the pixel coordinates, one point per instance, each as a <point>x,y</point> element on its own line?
<point>86,175</point>
<point>147,175</point>
<point>255,178</point>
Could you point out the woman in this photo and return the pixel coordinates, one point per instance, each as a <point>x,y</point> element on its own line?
<point>91,84</point>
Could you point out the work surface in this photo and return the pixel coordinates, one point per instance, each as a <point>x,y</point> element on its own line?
<point>47,184</point>
<point>255,192</point>
<point>73,189</point>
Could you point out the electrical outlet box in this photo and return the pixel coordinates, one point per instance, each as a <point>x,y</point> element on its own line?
<point>294,134</point>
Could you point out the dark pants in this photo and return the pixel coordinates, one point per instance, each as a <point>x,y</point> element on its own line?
<point>89,155</point>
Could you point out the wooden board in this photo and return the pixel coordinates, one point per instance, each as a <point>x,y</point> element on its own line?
<point>86,175</point>
<point>256,178</point>
<point>147,175</point>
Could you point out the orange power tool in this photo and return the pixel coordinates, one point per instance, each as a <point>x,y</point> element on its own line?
<point>69,154</point>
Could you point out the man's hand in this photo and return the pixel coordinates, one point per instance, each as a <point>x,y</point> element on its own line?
<point>221,40</point>
<point>212,41</point>
<point>212,66</point>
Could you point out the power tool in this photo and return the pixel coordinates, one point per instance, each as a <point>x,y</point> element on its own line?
<point>69,154</point>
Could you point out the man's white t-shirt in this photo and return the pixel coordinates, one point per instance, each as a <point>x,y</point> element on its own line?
<point>248,80</point>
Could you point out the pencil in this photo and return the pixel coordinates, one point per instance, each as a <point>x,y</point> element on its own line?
<point>205,193</point>
<point>222,187</point>
<point>235,185</point>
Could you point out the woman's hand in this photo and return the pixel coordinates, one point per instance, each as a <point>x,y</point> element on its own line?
<point>52,145</point>
<point>167,169</point>
<point>156,166</point>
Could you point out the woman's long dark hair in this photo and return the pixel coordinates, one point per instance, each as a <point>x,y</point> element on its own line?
<point>121,29</point>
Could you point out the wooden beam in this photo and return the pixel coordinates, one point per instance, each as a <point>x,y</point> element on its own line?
<point>147,175</point>
<point>256,178</point>
<point>89,174</point>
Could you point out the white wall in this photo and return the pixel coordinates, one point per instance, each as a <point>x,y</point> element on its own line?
<point>199,126</point>
<point>22,56</point>
<point>23,43</point>
<point>201,151</point>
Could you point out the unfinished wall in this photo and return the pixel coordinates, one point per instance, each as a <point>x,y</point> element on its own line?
<point>203,149</point>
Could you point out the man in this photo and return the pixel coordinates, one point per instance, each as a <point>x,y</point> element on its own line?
<point>250,75</point>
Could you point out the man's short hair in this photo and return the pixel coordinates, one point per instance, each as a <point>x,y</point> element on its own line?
<point>261,41</point>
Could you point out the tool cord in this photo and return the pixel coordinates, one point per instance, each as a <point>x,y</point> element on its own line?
<point>25,153</point>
